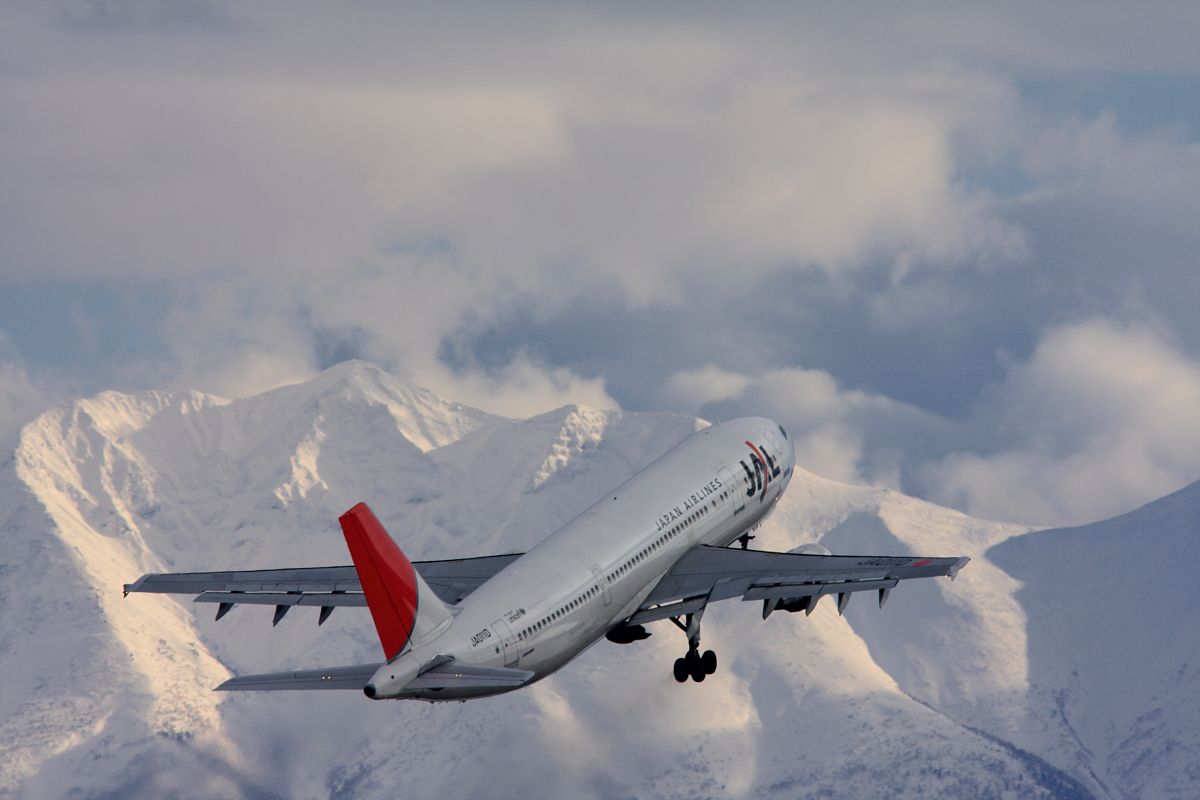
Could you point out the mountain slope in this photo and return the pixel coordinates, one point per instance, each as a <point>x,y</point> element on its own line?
<point>942,693</point>
<point>1114,641</point>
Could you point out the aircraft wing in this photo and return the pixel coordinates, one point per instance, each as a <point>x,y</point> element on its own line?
<point>792,581</point>
<point>326,587</point>
<point>445,675</point>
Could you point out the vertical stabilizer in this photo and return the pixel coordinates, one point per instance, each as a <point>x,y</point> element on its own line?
<point>402,605</point>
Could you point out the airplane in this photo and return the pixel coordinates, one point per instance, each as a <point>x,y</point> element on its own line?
<point>657,547</point>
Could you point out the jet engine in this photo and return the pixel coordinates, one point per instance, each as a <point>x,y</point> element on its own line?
<point>812,549</point>
<point>793,604</point>
<point>627,634</point>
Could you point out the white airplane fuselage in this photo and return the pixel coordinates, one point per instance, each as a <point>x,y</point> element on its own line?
<point>591,574</point>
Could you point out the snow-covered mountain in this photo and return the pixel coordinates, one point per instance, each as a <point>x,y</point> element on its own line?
<point>1060,664</point>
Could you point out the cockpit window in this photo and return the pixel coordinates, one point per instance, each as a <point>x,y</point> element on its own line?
<point>781,430</point>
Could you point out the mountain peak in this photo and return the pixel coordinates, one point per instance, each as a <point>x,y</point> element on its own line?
<point>424,418</point>
<point>354,378</point>
<point>353,371</point>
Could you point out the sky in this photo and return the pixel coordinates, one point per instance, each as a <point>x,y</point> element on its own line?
<point>952,247</point>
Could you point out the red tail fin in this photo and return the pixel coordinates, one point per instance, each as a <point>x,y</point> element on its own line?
<point>387,577</point>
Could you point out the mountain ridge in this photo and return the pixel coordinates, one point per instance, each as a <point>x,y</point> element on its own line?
<point>931,696</point>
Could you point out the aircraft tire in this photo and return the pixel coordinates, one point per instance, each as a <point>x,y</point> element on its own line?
<point>698,673</point>
<point>709,662</point>
<point>681,670</point>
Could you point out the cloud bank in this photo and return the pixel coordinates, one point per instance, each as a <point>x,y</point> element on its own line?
<point>858,220</point>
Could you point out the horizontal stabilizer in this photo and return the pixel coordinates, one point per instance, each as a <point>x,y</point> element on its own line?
<point>353,677</point>
<point>451,675</point>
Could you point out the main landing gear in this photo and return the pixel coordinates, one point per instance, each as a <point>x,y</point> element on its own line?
<point>693,665</point>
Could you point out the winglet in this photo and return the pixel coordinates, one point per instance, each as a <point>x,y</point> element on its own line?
<point>401,604</point>
<point>956,566</point>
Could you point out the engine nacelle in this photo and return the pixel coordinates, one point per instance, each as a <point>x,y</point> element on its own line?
<point>793,604</point>
<point>812,549</point>
<point>627,634</point>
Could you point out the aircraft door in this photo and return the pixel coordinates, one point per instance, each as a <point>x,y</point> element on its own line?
<point>727,485</point>
<point>602,582</point>
<point>737,485</point>
<point>508,643</point>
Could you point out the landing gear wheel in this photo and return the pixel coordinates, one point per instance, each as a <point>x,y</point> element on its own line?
<point>693,665</point>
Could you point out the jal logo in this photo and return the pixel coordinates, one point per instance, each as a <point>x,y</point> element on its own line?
<point>759,472</point>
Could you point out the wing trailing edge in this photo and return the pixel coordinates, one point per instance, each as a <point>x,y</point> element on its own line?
<point>790,581</point>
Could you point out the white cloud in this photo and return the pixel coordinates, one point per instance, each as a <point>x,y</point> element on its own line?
<point>643,171</point>
<point>23,394</point>
<point>20,401</point>
<point>1101,418</point>
<point>829,426</point>
<point>521,389</point>
<point>406,180</point>
<point>694,388</point>
<point>235,339</point>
